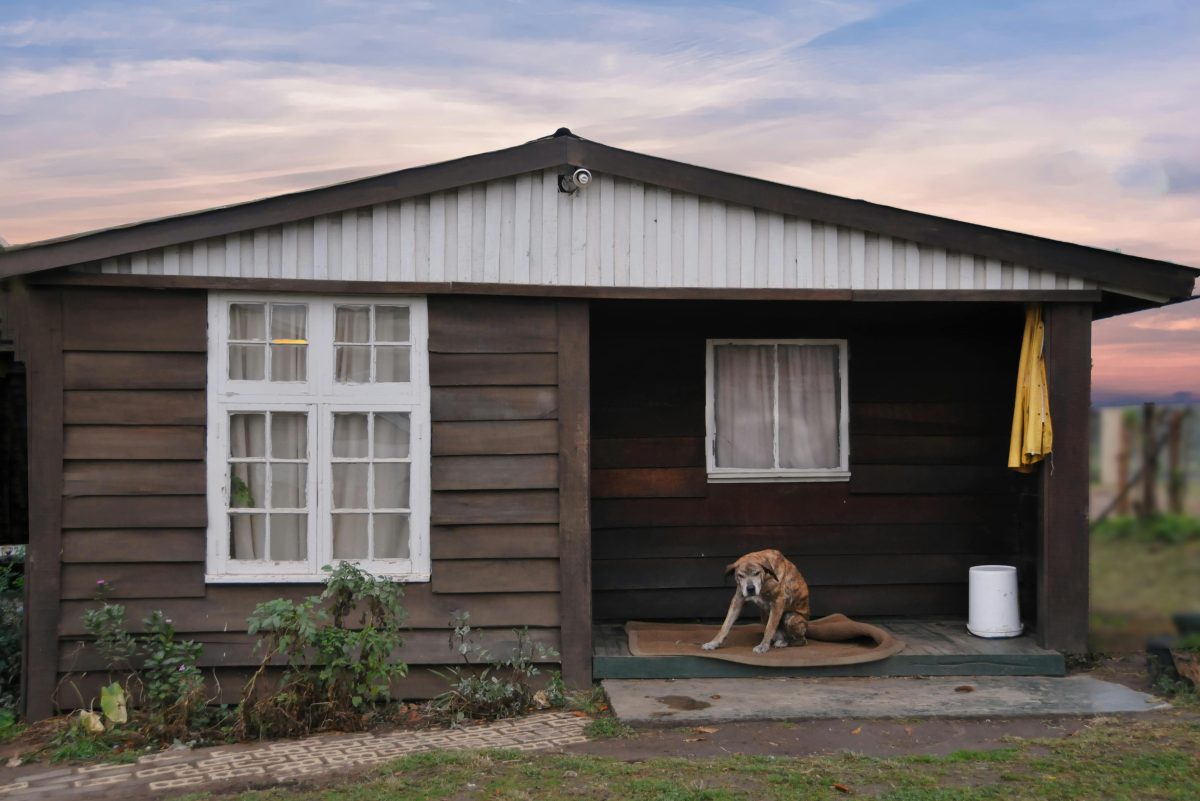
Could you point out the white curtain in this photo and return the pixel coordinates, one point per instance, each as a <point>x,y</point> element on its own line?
<point>352,364</point>
<point>288,538</point>
<point>745,381</point>
<point>808,406</point>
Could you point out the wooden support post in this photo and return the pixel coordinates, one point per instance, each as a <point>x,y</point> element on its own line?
<point>1123,464</point>
<point>1176,467</point>
<point>1062,580</point>
<point>41,337</point>
<point>574,493</point>
<point>1149,507</point>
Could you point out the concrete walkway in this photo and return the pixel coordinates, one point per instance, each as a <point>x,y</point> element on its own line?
<point>691,701</point>
<point>172,773</point>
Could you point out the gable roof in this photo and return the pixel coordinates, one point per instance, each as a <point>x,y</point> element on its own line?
<point>1151,279</point>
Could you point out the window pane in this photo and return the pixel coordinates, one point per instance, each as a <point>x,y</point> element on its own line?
<point>288,321</point>
<point>391,435</point>
<point>289,435</point>
<point>745,398</point>
<point>247,436</point>
<point>288,486</point>
<point>350,485</point>
<point>289,362</point>
<point>353,324</point>
<point>350,436</point>
<point>248,536</point>
<point>391,323</point>
<point>391,536</point>
<point>247,486</point>
<point>247,362</point>
<point>808,406</point>
<point>350,536</point>
<point>352,365</point>
<point>289,539</point>
<point>391,485</point>
<point>391,364</point>
<point>247,321</point>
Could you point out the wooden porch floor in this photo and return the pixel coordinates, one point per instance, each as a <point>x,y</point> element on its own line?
<point>933,647</point>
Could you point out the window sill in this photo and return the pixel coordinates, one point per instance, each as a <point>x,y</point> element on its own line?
<point>304,578</point>
<point>776,476</point>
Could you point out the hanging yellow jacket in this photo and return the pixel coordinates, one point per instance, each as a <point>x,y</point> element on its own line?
<point>1032,433</point>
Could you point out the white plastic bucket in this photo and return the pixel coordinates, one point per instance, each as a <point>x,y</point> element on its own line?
<point>993,610</point>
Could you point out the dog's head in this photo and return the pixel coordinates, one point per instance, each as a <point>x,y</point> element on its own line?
<point>751,575</point>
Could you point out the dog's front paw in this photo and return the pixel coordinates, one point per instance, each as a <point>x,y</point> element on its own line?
<point>711,646</point>
<point>762,648</point>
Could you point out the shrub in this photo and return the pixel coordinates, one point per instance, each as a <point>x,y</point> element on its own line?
<point>12,613</point>
<point>1165,529</point>
<point>501,688</point>
<point>334,675</point>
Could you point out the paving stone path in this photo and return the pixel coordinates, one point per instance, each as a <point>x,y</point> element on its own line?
<point>176,772</point>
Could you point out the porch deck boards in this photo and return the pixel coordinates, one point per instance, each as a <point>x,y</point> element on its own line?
<point>933,647</point>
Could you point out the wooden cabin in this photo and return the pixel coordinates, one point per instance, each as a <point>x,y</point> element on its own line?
<point>549,401</point>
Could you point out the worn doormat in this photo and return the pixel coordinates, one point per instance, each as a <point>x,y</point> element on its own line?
<point>832,640</point>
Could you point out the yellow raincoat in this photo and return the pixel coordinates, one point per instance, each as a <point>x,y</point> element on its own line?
<point>1032,434</point>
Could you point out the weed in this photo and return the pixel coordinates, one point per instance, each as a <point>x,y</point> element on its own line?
<point>335,675</point>
<point>607,728</point>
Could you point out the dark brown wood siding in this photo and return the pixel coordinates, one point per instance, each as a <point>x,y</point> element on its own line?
<point>931,391</point>
<point>133,479</point>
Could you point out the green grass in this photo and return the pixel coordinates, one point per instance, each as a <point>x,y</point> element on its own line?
<point>1137,586</point>
<point>604,728</point>
<point>1114,759</point>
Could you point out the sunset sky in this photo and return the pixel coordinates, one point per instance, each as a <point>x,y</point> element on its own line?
<point>1077,120</point>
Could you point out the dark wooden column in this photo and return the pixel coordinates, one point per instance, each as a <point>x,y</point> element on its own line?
<point>574,493</point>
<point>1062,580</point>
<point>40,342</point>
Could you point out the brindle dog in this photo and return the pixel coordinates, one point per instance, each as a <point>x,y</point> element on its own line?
<point>768,580</point>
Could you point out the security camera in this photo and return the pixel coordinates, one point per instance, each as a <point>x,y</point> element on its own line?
<point>572,183</point>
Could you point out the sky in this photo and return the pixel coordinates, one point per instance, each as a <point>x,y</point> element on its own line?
<point>1077,120</point>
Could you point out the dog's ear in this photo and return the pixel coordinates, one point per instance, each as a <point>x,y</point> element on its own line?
<point>767,569</point>
<point>729,568</point>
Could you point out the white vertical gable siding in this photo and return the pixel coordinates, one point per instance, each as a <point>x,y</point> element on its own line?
<point>616,232</point>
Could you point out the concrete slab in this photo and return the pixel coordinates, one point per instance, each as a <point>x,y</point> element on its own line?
<point>692,701</point>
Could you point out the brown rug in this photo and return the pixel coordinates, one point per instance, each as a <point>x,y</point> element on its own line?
<point>832,640</point>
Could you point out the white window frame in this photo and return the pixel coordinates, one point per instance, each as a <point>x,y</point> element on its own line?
<point>320,396</point>
<point>718,474</point>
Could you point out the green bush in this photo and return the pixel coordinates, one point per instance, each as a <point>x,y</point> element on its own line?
<point>335,676</point>
<point>12,613</point>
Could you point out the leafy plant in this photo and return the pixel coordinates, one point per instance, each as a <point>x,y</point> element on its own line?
<point>334,675</point>
<point>12,613</point>
<point>1188,644</point>
<point>499,689</point>
<point>1163,529</point>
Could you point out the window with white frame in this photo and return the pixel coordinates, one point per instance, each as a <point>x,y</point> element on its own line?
<point>777,410</point>
<point>318,436</point>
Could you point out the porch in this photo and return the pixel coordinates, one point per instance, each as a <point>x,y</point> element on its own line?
<point>933,647</point>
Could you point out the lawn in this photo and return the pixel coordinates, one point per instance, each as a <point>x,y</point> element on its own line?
<point>1111,759</point>
<point>1136,587</point>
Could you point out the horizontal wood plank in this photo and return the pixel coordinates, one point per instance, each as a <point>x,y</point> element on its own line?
<point>711,603</point>
<point>495,472</point>
<point>493,403</point>
<point>116,370</point>
<point>491,325</point>
<point>650,482</point>
<point>225,607</point>
<point>185,443</point>
<point>133,478</point>
<point>135,320</point>
<point>493,369</point>
<point>494,542</point>
<point>496,437</point>
<point>235,649</point>
<point>648,452</point>
<point>134,407</point>
<point>905,479</point>
<point>495,507</point>
<point>146,511</point>
<point>134,580</point>
<point>819,570</point>
<point>796,541</point>
<point>930,449</point>
<point>134,545</point>
<point>930,418</point>
<point>495,575</point>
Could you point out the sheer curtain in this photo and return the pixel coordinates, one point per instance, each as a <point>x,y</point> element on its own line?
<point>808,406</point>
<point>745,390</point>
<point>352,363</point>
<point>248,532</point>
<point>289,485</point>
<point>286,468</point>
